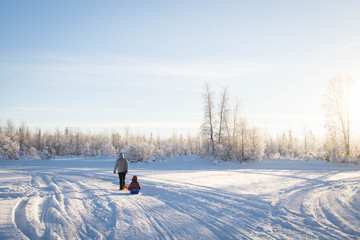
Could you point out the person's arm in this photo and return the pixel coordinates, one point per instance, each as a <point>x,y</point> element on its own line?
<point>116,165</point>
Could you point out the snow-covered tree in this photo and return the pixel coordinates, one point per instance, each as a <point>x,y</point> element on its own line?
<point>337,112</point>
<point>223,116</point>
<point>208,125</point>
<point>8,148</point>
<point>256,145</point>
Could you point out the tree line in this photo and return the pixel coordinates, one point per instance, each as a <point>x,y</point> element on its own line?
<point>229,137</point>
<point>224,135</point>
<point>18,141</point>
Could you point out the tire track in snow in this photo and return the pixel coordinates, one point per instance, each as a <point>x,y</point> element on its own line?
<point>297,213</point>
<point>167,222</point>
<point>87,207</point>
<point>320,209</point>
<point>103,212</point>
<point>84,213</point>
<point>49,209</point>
<point>27,216</point>
<point>339,214</point>
<point>142,216</point>
<point>20,221</point>
<point>81,208</point>
<point>226,215</point>
<point>138,216</point>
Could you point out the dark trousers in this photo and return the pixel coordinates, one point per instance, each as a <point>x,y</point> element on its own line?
<point>122,179</point>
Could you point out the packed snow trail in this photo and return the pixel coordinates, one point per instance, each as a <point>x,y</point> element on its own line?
<point>182,198</point>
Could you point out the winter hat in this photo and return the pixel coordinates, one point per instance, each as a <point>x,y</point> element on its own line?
<point>134,178</point>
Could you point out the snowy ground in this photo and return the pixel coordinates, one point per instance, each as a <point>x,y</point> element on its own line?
<point>182,198</point>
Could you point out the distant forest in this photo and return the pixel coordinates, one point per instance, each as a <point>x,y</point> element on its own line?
<point>224,135</point>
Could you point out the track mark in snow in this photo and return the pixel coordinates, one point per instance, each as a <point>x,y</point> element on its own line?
<point>226,215</point>
<point>20,220</point>
<point>322,209</point>
<point>168,222</point>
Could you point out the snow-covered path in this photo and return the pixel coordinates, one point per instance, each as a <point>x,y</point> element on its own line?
<point>182,198</point>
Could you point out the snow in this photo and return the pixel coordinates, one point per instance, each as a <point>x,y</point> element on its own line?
<point>181,198</point>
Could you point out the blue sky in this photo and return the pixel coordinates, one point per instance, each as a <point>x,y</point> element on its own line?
<point>142,64</point>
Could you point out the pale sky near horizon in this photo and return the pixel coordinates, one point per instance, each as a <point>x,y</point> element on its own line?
<point>143,64</point>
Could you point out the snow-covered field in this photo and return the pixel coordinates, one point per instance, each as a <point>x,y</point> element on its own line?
<point>182,198</point>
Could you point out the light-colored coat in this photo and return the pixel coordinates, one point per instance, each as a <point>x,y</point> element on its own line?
<point>121,165</point>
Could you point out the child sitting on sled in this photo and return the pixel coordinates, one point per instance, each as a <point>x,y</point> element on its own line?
<point>134,186</point>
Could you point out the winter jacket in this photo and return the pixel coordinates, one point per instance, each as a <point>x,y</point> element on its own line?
<point>121,164</point>
<point>134,185</point>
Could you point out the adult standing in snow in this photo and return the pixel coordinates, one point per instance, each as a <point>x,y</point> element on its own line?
<point>122,168</point>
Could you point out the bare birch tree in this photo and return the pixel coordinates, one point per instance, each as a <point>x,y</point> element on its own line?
<point>337,114</point>
<point>243,134</point>
<point>223,114</point>
<point>207,127</point>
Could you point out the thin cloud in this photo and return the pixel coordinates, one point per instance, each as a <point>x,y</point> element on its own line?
<point>134,72</point>
<point>42,109</point>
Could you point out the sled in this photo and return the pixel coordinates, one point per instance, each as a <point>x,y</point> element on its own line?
<point>134,191</point>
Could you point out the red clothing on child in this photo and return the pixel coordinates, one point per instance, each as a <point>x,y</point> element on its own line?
<point>134,185</point>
